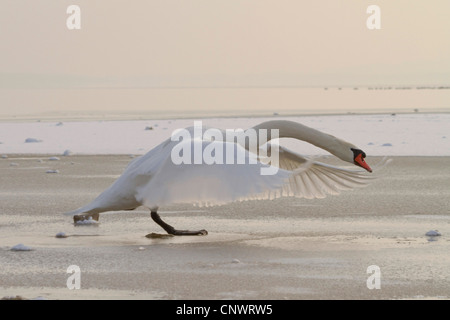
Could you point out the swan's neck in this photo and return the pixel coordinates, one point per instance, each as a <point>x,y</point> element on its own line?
<point>290,129</point>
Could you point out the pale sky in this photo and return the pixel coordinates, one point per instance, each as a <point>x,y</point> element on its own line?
<point>126,49</point>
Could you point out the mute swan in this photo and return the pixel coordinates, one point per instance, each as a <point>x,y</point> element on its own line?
<point>154,180</point>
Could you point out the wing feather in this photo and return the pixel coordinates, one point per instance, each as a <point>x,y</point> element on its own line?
<point>312,179</point>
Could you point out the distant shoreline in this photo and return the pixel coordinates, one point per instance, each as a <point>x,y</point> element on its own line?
<point>197,114</point>
<point>136,103</point>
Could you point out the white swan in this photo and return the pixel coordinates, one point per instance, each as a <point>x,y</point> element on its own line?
<point>154,180</point>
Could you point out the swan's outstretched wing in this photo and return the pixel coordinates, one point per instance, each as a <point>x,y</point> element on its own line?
<point>312,179</point>
<point>208,184</point>
<point>155,179</point>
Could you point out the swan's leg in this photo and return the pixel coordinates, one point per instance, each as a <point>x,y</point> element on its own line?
<point>171,230</point>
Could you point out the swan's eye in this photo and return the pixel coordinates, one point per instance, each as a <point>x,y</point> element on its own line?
<point>358,152</point>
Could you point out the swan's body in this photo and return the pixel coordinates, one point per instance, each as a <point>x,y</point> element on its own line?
<point>154,180</point>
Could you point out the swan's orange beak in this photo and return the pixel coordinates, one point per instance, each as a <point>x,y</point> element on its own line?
<point>359,161</point>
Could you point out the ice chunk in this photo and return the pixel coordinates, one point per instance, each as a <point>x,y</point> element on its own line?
<point>13,298</point>
<point>21,247</point>
<point>433,233</point>
<point>87,221</point>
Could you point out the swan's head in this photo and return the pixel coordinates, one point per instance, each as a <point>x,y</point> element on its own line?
<point>347,152</point>
<point>358,159</point>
